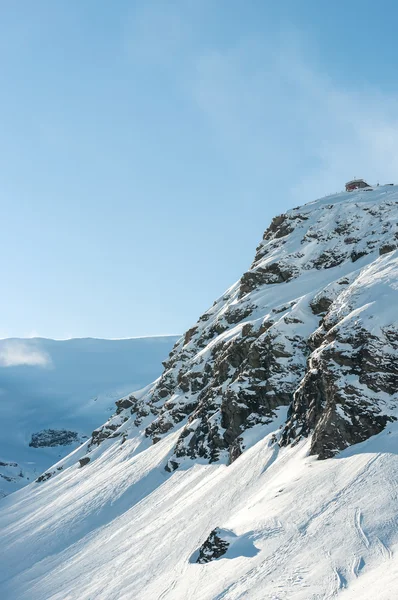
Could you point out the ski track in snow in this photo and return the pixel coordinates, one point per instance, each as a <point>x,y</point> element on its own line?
<point>357,565</point>
<point>385,550</point>
<point>359,528</point>
<point>341,581</point>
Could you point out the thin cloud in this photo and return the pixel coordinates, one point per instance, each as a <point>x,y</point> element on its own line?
<point>284,128</point>
<point>279,117</point>
<point>14,353</point>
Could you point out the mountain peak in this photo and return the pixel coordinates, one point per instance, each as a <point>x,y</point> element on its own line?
<point>205,484</point>
<point>311,300</point>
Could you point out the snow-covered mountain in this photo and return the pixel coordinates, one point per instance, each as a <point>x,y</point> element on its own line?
<point>207,484</point>
<point>54,393</point>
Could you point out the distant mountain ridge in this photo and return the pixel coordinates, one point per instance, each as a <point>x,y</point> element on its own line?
<point>53,393</point>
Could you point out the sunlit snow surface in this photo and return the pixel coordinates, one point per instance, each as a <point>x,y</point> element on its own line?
<point>68,384</point>
<point>122,527</point>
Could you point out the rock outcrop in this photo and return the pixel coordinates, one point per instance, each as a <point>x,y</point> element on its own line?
<point>214,547</point>
<point>350,390</point>
<point>54,437</point>
<point>309,327</point>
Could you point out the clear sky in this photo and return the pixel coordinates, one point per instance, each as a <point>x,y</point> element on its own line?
<point>145,146</point>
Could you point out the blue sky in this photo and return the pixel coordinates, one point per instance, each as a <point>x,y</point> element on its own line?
<point>145,146</point>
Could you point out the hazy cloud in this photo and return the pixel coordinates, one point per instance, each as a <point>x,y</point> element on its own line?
<point>276,113</point>
<point>15,353</point>
<point>267,104</point>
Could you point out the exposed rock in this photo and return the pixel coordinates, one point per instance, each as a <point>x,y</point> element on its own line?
<point>43,477</point>
<point>189,335</point>
<point>350,390</point>
<point>53,437</point>
<point>124,403</point>
<point>357,255</point>
<point>329,258</point>
<point>321,305</point>
<point>48,474</point>
<point>273,273</point>
<point>109,430</point>
<point>294,332</point>
<point>8,464</point>
<point>387,248</point>
<point>214,547</point>
<point>238,314</point>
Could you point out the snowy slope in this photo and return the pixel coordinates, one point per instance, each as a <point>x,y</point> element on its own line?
<point>122,528</point>
<point>218,460</point>
<point>64,385</point>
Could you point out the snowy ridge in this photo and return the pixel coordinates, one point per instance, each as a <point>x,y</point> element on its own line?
<point>248,354</point>
<point>206,484</point>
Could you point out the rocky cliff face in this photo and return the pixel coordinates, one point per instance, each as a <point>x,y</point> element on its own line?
<point>311,326</point>
<point>350,389</point>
